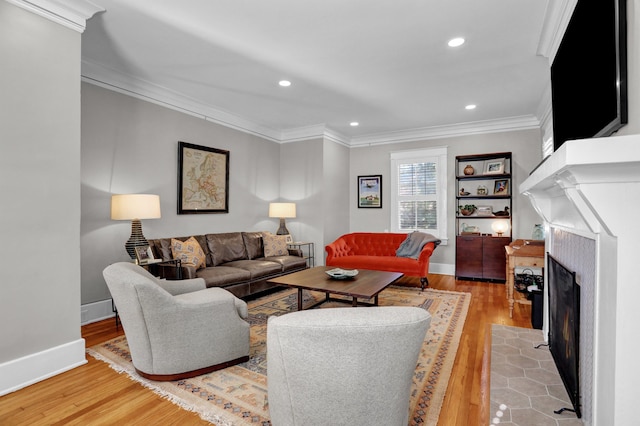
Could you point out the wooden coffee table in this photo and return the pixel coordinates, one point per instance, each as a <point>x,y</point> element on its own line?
<point>366,285</point>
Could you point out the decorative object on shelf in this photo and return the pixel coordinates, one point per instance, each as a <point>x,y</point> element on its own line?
<point>504,212</point>
<point>501,187</point>
<point>500,227</point>
<point>135,207</point>
<point>494,167</point>
<point>463,192</point>
<point>203,179</point>
<point>282,211</point>
<point>370,192</point>
<point>469,170</point>
<point>484,211</point>
<point>538,232</point>
<point>482,190</point>
<point>468,229</point>
<point>467,209</point>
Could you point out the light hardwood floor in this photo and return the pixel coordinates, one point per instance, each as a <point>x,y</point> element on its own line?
<point>94,394</point>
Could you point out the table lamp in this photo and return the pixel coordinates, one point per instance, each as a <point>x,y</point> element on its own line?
<point>500,227</point>
<point>282,211</point>
<point>135,207</point>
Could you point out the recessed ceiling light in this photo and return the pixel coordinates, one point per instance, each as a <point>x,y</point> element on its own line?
<point>455,42</point>
<point>354,124</point>
<point>471,106</point>
<point>284,83</point>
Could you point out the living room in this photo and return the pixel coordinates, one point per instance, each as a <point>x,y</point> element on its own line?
<point>70,145</point>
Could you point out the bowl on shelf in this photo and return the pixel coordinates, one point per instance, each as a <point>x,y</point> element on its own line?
<point>468,211</point>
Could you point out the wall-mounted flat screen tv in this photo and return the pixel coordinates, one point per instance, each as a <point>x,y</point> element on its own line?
<point>589,73</point>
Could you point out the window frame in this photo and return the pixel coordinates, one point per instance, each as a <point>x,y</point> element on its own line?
<point>437,155</point>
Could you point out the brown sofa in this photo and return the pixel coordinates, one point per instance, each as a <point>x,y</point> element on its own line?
<point>235,261</point>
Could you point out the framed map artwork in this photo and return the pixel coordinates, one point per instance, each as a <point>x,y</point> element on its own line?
<point>203,179</point>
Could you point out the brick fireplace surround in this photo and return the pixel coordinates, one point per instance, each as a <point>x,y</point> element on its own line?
<point>588,193</point>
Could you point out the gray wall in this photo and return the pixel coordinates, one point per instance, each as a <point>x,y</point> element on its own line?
<point>314,175</point>
<point>131,146</point>
<point>337,201</point>
<point>40,185</point>
<point>526,149</point>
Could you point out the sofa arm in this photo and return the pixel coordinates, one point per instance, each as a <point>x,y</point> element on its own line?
<point>338,248</point>
<point>188,272</point>
<point>182,286</point>
<point>425,255</point>
<point>295,252</point>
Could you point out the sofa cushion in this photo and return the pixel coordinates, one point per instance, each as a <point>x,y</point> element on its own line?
<point>254,244</point>
<point>274,245</point>
<point>226,247</point>
<point>189,252</point>
<point>223,275</point>
<point>289,263</point>
<point>257,268</point>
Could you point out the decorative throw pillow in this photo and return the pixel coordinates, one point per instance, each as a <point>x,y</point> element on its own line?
<point>274,245</point>
<point>189,252</point>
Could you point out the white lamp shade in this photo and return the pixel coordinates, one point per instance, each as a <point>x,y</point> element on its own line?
<point>500,226</point>
<point>282,210</point>
<point>135,206</point>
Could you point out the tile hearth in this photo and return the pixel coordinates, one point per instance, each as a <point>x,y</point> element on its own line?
<point>525,384</point>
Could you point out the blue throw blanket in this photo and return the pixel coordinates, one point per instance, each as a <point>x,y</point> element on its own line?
<point>413,244</point>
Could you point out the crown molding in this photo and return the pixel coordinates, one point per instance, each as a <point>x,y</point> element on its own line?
<point>437,132</point>
<point>556,21</point>
<point>299,134</point>
<point>100,75</point>
<point>72,14</point>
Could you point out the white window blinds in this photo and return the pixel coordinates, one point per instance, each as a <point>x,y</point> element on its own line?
<point>418,184</point>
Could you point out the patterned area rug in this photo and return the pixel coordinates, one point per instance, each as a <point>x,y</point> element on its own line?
<point>238,395</point>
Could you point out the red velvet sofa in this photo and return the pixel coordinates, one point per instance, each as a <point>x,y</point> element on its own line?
<point>377,251</point>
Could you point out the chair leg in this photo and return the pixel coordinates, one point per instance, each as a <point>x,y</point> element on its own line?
<point>424,282</point>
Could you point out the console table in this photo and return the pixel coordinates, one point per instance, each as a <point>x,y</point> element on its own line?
<point>525,253</point>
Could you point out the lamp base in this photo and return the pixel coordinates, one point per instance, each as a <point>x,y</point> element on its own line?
<point>136,239</point>
<point>283,229</point>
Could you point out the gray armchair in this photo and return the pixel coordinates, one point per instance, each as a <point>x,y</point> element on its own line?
<point>343,366</point>
<point>177,329</point>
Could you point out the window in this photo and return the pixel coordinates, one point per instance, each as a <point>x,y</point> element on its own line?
<point>419,191</point>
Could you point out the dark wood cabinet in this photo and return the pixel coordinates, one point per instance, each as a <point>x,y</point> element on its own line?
<point>469,256</point>
<point>481,257</point>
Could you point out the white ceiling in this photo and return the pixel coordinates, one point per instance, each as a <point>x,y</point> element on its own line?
<point>384,63</point>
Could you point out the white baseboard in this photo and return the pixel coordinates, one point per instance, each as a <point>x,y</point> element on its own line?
<point>442,268</point>
<point>22,372</point>
<point>97,311</point>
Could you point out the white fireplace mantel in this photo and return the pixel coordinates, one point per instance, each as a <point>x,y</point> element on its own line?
<point>591,187</point>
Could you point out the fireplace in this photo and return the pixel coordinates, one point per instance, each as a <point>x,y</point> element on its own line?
<point>564,327</point>
<point>585,193</point>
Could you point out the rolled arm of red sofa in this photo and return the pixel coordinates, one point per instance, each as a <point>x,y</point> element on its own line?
<point>423,258</point>
<point>338,248</point>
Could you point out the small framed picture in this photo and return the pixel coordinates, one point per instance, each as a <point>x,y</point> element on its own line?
<point>501,187</point>
<point>289,239</point>
<point>370,192</point>
<point>494,167</point>
<point>143,254</point>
